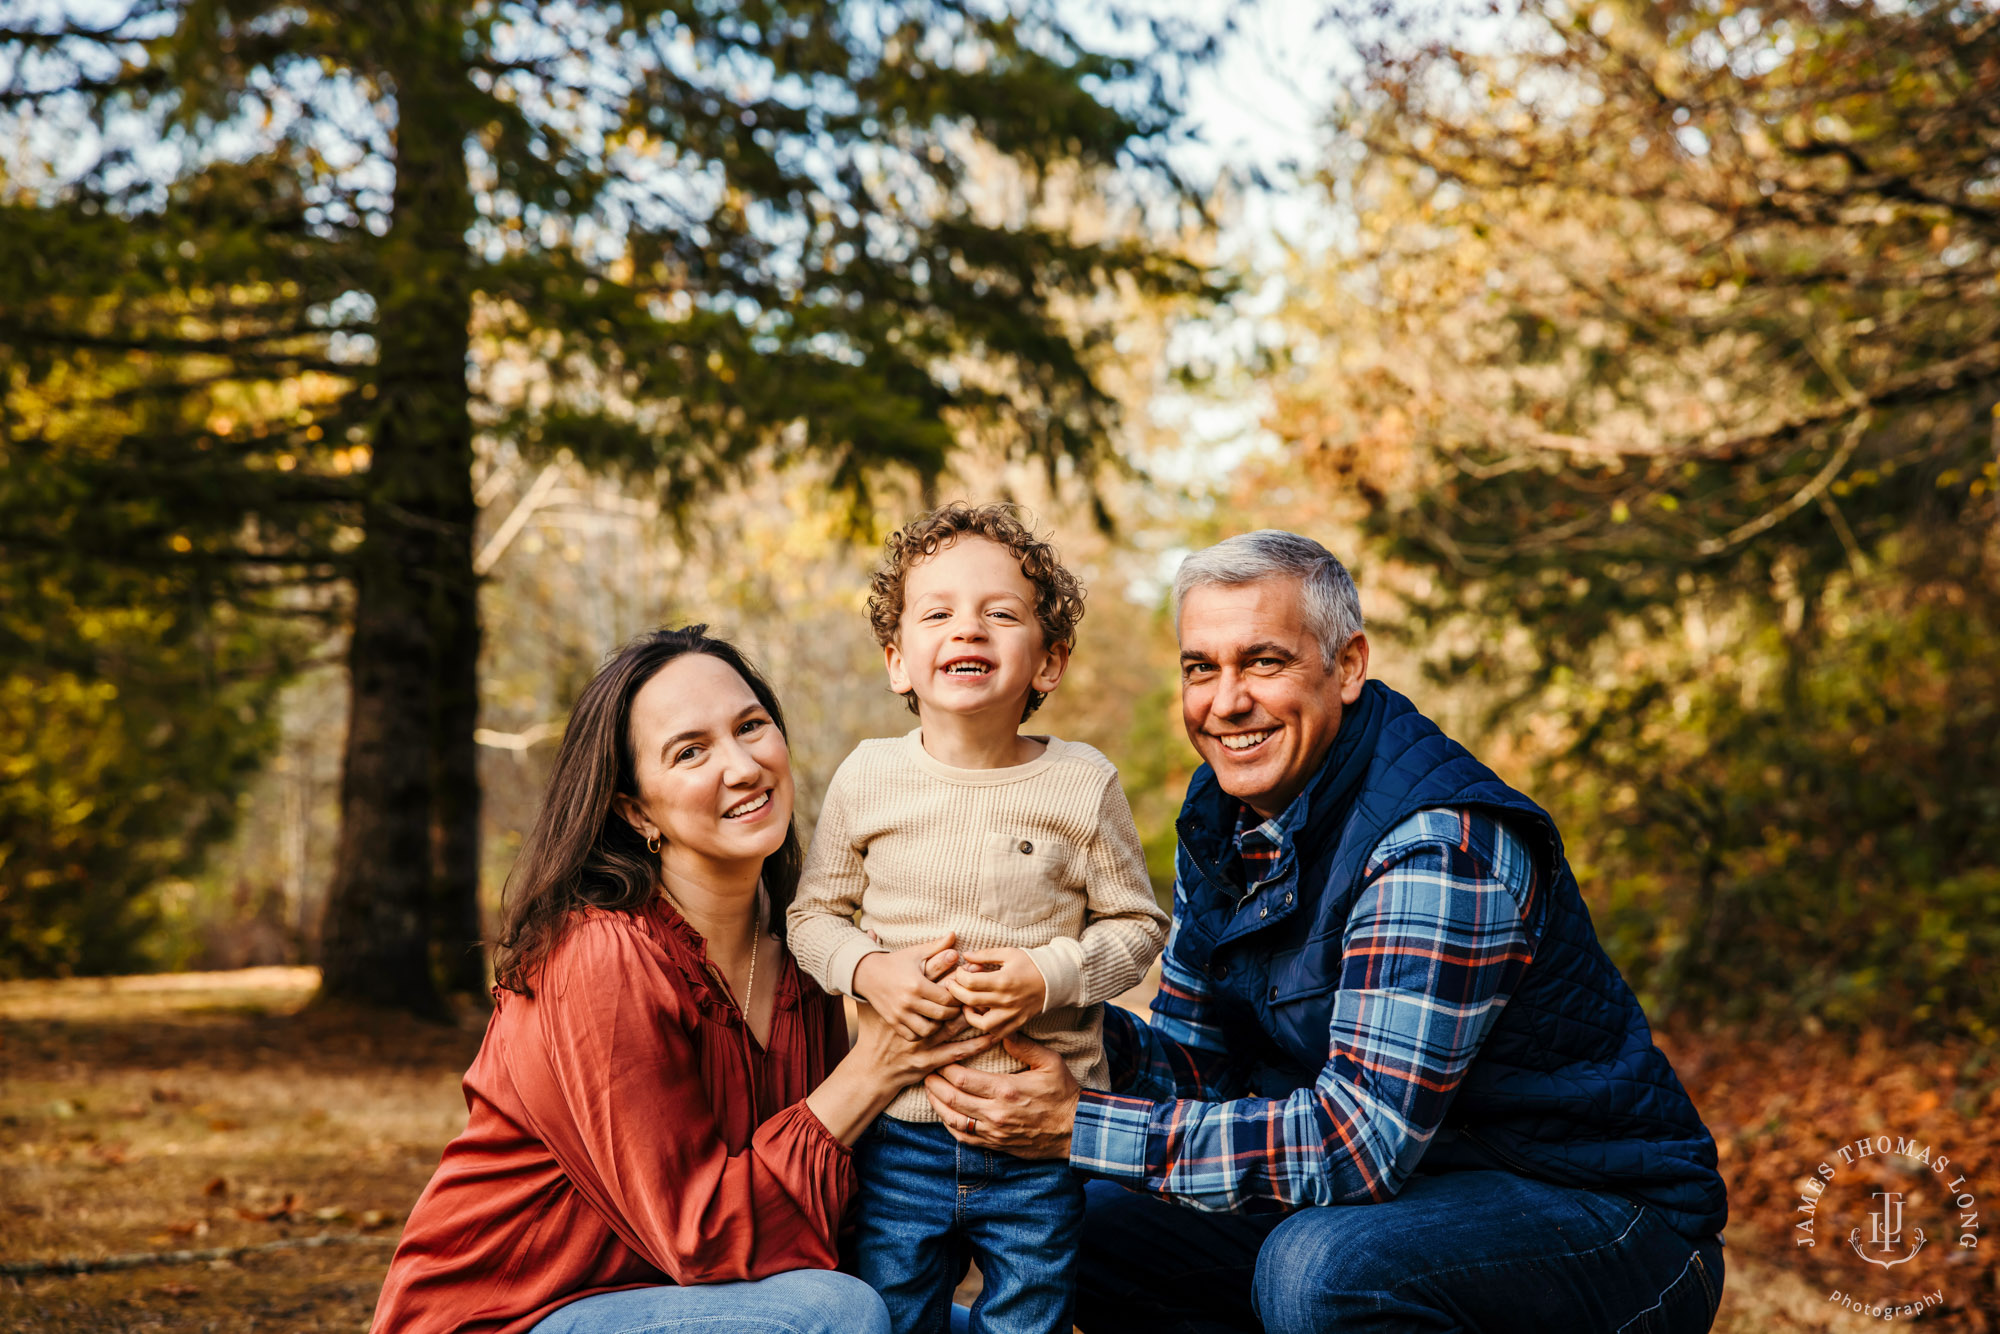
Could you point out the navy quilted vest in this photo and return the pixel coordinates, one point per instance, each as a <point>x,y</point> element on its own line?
<point>1568,1086</point>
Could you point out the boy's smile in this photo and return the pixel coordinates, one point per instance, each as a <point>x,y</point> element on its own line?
<point>969,643</point>
<point>968,665</point>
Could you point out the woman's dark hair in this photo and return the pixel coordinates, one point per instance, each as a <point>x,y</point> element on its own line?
<point>581,853</point>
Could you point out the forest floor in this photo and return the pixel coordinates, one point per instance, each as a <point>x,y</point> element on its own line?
<point>201,1112</point>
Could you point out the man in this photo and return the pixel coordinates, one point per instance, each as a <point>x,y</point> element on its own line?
<point>1389,1066</point>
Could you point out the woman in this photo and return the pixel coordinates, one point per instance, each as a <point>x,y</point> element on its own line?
<point>661,1113</point>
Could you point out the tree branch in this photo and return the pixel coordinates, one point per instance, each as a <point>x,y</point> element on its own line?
<point>1805,495</point>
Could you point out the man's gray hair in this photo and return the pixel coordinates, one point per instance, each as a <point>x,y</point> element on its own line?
<point>1329,605</point>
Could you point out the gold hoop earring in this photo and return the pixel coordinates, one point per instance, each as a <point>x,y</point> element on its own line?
<point>653,843</point>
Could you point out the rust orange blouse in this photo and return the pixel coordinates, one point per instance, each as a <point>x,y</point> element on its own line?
<point>625,1129</point>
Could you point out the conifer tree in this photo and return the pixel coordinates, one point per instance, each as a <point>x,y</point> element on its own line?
<point>765,229</point>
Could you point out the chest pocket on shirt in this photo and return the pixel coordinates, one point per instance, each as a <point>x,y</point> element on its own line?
<point>1021,877</point>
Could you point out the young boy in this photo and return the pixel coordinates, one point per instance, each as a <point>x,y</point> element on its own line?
<point>1023,848</point>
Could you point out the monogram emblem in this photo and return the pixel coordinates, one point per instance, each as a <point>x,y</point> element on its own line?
<point>1885,1232</point>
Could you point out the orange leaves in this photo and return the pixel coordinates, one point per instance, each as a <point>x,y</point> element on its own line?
<point>1780,1108</point>
<point>114,1154</point>
<point>286,1212</point>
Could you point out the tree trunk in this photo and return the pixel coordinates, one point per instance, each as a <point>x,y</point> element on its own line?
<point>381,908</point>
<point>458,929</point>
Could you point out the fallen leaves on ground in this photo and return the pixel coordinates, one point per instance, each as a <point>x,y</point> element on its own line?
<point>340,1121</point>
<point>1781,1110</point>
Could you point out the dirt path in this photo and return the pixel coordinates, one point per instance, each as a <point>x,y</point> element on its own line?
<point>203,1112</point>
<point>199,1112</point>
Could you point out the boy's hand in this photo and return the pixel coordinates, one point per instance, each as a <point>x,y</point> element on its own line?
<point>1000,989</point>
<point>900,987</point>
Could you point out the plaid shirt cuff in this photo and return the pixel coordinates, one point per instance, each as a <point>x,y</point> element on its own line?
<point>1111,1135</point>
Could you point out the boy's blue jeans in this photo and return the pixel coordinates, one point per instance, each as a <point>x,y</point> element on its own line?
<point>929,1204</point>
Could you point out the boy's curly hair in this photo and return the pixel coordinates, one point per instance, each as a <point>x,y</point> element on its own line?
<point>1058,595</point>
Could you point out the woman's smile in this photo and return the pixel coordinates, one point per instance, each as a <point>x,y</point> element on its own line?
<point>753,807</point>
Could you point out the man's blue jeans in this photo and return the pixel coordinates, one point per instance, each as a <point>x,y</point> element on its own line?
<point>929,1204</point>
<point>1477,1251</point>
<point>804,1301</point>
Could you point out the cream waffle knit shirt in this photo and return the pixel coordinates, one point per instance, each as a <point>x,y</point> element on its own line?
<point>1042,856</point>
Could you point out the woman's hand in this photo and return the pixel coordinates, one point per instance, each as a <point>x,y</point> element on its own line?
<point>883,1062</point>
<point>902,1062</point>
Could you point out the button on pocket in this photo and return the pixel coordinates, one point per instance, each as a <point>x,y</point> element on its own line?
<point>1021,879</point>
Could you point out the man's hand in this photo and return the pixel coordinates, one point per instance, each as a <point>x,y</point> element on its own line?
<point>1029,1115</point>
<point>1000,989</point>
<point>899,985</point>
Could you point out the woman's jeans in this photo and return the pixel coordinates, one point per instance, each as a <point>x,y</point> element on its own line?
<point>929,1203</point>
<point>1476,1251</point>
<point>804,1301</point>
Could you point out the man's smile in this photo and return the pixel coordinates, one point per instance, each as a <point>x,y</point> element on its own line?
<point>1241,743</point>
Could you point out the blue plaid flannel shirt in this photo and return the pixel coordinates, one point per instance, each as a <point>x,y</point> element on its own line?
<point>1436,943</point>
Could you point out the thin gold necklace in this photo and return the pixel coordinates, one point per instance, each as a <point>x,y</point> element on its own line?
<point>756,944</point>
